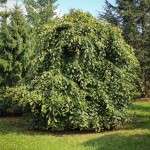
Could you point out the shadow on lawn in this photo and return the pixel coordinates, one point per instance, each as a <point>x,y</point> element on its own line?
<point>132,141</point>
<point>13,125</point>
<point>16,125</point>
<point>141,118</point>
<point>117,142</point>
<point>141,108</point>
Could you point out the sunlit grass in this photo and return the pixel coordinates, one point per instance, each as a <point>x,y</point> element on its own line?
<point>134,136</point>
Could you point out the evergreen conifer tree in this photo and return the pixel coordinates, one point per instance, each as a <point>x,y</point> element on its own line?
<point>16,47</point>
<point>133,17</point>
<point>40,11</point>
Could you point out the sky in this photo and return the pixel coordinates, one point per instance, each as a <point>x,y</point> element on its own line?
<point>92,6</point>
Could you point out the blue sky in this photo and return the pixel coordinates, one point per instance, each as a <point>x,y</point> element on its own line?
<point>92,6</point>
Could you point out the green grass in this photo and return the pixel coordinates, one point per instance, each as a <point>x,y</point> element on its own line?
<point>134,136</point>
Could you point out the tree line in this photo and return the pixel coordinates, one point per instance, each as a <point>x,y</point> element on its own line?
<point>17,37</point>
<point>133,17</point>
<point>18,42</point>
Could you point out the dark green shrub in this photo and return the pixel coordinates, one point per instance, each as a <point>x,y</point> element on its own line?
<point>84,77</point>
<point>9,106</point>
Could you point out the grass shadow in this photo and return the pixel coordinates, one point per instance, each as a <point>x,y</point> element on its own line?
<point>18,126</point>
<point>143,108</point>
<point>118,142</point>
<point>13,125</point>
<point>141,116</point>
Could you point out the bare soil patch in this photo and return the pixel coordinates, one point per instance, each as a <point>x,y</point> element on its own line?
<point>147,99</point>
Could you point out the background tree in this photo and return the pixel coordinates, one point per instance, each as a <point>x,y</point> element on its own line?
<point>133,17</point>
<point>40,11</point>
<point>16,47</point>
<point>3,1</point>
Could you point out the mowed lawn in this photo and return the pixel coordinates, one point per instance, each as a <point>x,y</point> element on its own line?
<point>134,136</point>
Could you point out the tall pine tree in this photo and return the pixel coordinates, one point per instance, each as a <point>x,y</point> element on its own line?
<point>133,17</point>
<point>16,47</point>
<point>40,11</point>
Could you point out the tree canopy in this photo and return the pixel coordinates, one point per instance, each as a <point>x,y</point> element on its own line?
<point>40,11</point>
<point>16,46</point>
<point>133,17</point>
<point>84,77</point>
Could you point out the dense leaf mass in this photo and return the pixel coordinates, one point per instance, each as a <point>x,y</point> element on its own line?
<point>84,77</point>
<point>133,17</point>
<point>16,47</point>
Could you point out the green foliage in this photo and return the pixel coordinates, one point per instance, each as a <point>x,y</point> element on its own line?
<point>40,11</point>
<point>9,107</point>
<point>133,17</point>
<point>16,50</point>
<point>84,77</point>
<point>16,47</point>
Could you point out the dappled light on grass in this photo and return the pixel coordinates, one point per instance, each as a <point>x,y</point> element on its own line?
<point>141,118</point>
